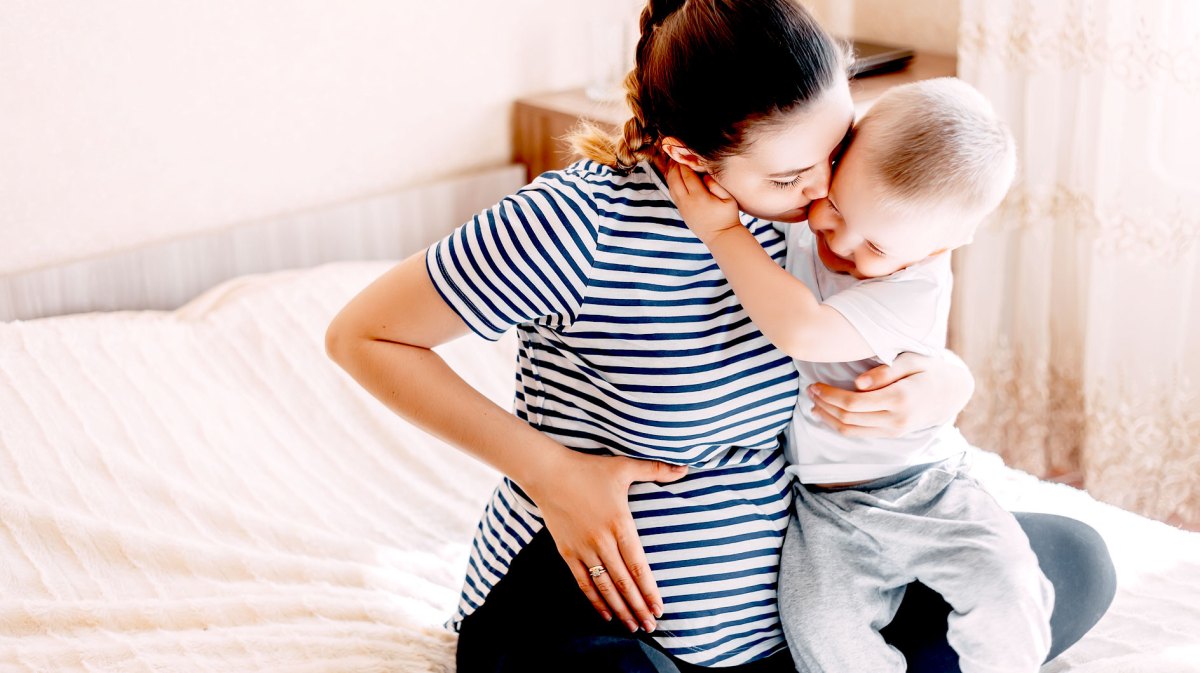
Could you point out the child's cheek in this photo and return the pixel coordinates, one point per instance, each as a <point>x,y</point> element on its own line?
<point>874,268</point>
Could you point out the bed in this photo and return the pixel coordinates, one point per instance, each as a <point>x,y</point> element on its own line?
<point>203,490</point>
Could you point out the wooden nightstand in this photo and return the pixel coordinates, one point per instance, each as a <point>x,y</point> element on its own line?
<point>540,123</point>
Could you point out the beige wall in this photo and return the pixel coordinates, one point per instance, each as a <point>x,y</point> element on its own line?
<point>126,121</point>
<point>928,25</point>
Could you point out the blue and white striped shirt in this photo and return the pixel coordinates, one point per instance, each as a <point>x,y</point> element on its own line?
<point>632,343</point>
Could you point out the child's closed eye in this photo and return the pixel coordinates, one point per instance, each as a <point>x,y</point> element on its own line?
<point>785,185</point>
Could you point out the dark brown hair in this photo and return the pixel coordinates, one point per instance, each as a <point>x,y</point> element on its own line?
<point>707,72</point>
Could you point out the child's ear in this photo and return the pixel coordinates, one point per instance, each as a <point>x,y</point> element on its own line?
<point>951,248</point>
<point>963,240</point>
<point>680,154</point>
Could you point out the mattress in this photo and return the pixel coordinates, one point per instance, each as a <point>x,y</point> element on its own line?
<point>203,490</point>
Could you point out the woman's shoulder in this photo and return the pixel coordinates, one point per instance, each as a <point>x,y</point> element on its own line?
<point>596,178</point>
<point>591,196</point>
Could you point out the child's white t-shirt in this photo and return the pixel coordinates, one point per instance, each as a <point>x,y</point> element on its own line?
<point>906,311</point>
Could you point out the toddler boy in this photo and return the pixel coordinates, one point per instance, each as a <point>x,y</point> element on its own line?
<point>868,279</point>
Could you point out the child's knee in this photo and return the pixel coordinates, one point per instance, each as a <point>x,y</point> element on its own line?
<point>1014,575</point>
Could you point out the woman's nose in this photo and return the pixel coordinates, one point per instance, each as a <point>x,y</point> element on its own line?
<point>818,184</point>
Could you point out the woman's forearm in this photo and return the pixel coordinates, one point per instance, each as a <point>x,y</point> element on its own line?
<point>384,338</point>
<point>959,380</point>
<point>418,385</point>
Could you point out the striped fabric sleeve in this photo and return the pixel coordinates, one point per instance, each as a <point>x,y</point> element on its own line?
<point>526,259</point>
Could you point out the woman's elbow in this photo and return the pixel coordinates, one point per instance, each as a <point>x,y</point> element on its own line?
<point>340,338</point>
<point>400,308</point>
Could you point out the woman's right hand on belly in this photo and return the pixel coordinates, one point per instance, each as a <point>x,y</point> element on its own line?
<point>384,338</point>
<point>584,501</point>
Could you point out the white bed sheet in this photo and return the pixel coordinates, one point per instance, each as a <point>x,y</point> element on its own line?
<point>202,490</point>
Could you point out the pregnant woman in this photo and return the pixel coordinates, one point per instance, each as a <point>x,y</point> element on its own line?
<point>639,522</point>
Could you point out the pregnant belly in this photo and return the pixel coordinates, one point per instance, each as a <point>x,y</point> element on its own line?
<point>712,540</point>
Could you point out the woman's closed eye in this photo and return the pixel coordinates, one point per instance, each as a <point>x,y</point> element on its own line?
<point>788,183</point>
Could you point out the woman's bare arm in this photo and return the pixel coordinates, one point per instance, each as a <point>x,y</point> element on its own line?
<point>914,392</point>
<point>383,338</point>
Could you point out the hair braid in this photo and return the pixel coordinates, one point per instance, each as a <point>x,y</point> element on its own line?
<point>637,137</point>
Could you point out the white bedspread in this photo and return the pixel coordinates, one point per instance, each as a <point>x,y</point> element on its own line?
<point>203,490</point>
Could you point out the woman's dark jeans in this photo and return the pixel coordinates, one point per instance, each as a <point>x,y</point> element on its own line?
<point>537,619</point>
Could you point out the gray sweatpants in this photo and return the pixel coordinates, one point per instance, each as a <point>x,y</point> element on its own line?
<point>850,552</point>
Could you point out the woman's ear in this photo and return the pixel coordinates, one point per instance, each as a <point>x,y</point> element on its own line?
<point>680,154</point>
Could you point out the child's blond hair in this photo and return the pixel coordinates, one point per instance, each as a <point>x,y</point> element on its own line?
<point>938,143</point>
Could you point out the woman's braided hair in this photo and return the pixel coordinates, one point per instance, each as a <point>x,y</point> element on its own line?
<point>707,71</point>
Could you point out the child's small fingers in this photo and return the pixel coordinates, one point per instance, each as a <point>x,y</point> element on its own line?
<point>691,180</point>
<point>675,179</point>
<point>717,190</point>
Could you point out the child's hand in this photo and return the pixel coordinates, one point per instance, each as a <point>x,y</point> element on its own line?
<point>706,207</point>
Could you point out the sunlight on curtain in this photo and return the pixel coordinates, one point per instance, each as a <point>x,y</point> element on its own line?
<point>1078,305</point>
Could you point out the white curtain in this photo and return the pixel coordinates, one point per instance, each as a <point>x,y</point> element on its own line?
<point>1078,304</point>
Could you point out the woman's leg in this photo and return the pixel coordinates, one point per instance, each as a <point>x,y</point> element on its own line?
<point>1075,560</point>
<point>536,616</point>
<point>536,619</point>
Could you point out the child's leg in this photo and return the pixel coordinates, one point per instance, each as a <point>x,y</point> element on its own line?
<point>834,592</point>
<point>1073,557</point>
<point>972,552</point>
